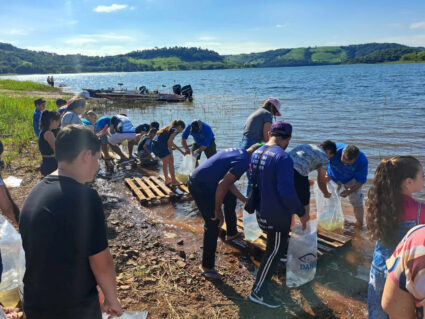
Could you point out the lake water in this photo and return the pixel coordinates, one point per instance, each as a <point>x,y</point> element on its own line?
<point>379,108</point>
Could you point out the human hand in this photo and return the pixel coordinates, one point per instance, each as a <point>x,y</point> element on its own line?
<point>244,199</point>
<point>186,151</point>
<point>327,195</point>
<point>327,178</point>
<point>218,216</point>
<point>304,219</point>
<point>113,309</point>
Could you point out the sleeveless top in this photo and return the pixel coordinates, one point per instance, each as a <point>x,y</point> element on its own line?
<point>44,146</point>
<point>162,139</point>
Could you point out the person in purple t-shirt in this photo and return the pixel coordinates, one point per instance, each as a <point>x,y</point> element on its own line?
<point>211,185</point>
<point>278,202</point>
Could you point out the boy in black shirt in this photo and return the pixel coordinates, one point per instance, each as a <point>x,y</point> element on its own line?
<point>64,236</point>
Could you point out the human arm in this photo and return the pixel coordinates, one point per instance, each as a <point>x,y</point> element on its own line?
<point>186,148</point>
<point>266,130</point>
<point>397,303</point>
<point>36,122</point>
<point>50,138</point>
<point>222,189</point>
<point>322,182</point>
<point>7,206</point>
<point>102,266</point>
<point>148,152</point>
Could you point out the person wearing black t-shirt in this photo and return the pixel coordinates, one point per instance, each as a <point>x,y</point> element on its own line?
<point>64,237</point>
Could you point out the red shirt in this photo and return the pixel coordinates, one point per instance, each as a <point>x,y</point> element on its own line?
<point>410,209</point>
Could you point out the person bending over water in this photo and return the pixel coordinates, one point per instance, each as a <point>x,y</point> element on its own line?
<point>163,145</point>
<point>391,213</point>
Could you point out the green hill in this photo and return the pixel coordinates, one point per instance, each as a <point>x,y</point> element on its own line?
<point>22,61</point>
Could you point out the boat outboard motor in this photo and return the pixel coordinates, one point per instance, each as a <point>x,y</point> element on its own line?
<point>143,90</point>
<point>177,89</point>
<point>187,92</point>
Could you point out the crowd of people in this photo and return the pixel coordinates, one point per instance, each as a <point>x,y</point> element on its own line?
<point>67,254</point>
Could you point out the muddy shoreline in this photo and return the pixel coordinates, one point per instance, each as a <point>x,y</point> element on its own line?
<point>157,265</point>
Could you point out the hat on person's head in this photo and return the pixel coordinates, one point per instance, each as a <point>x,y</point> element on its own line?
<point>84,94</point>
<point>275,102</point>
<point>60,102</point>
<point>39,102</point>
<point>282,128</point>
<point>195,126</point>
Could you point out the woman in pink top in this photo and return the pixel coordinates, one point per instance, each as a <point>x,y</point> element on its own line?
<point>391,213</point>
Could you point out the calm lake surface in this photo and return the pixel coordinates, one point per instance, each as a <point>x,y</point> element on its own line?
<point>379,108</point>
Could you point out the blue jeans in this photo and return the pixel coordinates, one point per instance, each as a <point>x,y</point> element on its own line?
<point>246,143</point>
<point>378,271</point>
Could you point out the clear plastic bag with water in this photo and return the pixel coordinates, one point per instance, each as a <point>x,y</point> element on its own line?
<point>13,259</point>
<point>130,315</point>
<point>329,210</point>
<point>302,255</point>
<point>250,225</point>
<point>186,167</point>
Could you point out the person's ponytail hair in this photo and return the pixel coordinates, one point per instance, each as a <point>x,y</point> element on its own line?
<point>173,124</point>
<point>384,202</point>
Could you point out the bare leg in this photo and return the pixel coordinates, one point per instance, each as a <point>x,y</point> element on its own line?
<point>117,150</point>
<point>105,151</point>
<point>172,172</point>
<point>359,213</point>
<point>130,145</point>
<point>165,164</point>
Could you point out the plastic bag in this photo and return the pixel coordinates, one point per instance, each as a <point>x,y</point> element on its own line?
<point>302,255</point>
<point>131,315</point>
<point>13,259</point>
<point>329,210</point>
<point>12,181</point>
<point>186,167</point>
<point>250,226</point>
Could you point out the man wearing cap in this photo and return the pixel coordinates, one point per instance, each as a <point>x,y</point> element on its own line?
<point>348,166</point>
<point>204,139</point>
<point>40,105</point>
<point>278,202</point>
<point>259,122</point>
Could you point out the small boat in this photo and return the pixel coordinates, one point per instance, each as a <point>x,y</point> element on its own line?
<point>142,94</point>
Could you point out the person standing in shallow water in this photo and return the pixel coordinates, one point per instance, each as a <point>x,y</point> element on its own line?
<point>391,213</point>
<point>348,167</point>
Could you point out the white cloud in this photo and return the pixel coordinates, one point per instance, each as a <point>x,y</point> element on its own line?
<point>18,32</point>
<point>418,25</point>
<point>280,25</point>
<point>91,51</point>
<point>84,39</point>
<point>206,38</point>
<point>417,40</point>
<point>111,8</point>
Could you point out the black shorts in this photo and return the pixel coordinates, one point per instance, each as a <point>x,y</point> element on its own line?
<point>302,187</point>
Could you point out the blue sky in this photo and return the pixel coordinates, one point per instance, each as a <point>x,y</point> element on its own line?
<point>103,27</point>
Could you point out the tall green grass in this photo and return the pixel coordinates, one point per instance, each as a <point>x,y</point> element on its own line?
<point>26,86</point>
<point>16,129</point>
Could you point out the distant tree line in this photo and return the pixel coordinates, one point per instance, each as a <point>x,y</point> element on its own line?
<point>22,61</point>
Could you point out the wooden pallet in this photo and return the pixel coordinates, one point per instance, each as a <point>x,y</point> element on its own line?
<point>327,242</point>
<point>151,190</point>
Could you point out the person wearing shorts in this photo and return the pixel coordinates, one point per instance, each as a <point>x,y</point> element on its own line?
<point>307,158</point>
<point>122,129</point>
<point>348,167</point>
<point>99,125</point>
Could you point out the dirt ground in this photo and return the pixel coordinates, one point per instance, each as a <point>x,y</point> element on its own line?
<point>160,275</point>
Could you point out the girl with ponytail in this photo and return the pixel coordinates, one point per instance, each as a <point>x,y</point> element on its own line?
<point>391,213</point>
<point>163,145</point>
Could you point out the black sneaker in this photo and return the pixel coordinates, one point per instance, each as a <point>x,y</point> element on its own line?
<point>265,300</point>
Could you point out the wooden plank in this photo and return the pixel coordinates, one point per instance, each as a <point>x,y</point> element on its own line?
<point>135,189</point>
<point>334,244</point>
<point>333,236</point>
<point>324,248</point>
<point>145,188</point>
<point>184,188</point>
<point>153,187</point>
<point>161,185</point>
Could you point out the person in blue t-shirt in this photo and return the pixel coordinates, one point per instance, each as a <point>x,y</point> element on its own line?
<point>212,186</point>
<point>278,202</point>
<point>40,105</point>
<point>204,139</point>
<point>99,125</point>
<point>348,166</point>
